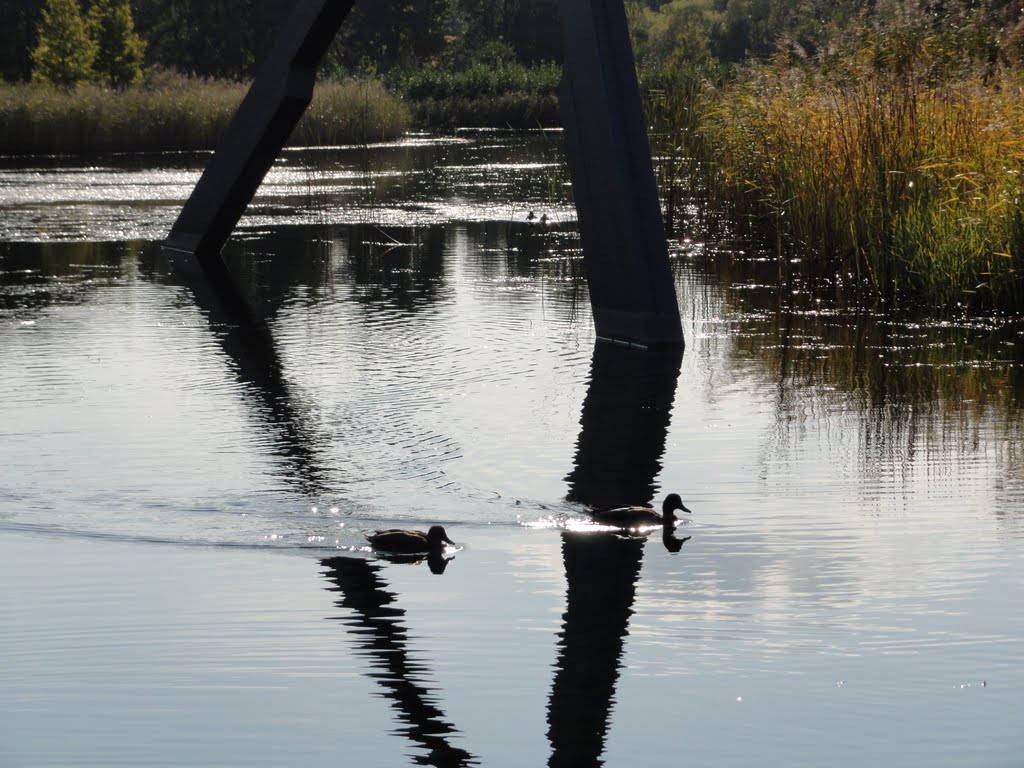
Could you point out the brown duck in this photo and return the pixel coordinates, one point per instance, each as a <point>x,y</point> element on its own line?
<point>628,517</point>
<point>407,542</point>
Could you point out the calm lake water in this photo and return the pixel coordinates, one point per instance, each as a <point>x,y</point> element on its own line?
<point>182,506</point>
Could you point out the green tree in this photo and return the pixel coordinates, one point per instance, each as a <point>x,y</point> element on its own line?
<point>18,22</point>
<point>119,49</point>
<point>65,53</point>
<point>381,36</point>
<point>226,38</point>
<point>677,31</point>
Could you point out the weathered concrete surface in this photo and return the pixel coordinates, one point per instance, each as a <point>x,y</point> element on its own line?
<point>624,248</point>
<point>276,100</point>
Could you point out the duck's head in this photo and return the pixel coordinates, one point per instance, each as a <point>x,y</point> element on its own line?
<point>437,538</point>
<point>670,505</point>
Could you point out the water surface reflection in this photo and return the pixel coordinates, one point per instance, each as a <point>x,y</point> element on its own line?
<point>378,627</point>
<point>426,356</point>
<point>623,427</point>
<point>601,572</point>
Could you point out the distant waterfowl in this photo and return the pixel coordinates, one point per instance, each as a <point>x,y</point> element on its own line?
<point>641,515</point>
<point>407,542</point>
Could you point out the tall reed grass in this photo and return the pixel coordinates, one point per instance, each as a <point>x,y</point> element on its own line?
<point>911,187</point>
<point>670,96</point>
<point>504,94</point>
<point>170,112</point>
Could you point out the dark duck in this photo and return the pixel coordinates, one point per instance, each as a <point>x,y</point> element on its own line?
<point>398,541</point>
<point>629,517</point>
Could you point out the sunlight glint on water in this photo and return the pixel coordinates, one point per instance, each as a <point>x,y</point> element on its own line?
<point>180,512</point>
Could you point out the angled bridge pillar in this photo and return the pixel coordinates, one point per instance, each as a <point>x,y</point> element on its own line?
<point>624,249</point>
<point>277,99</point>
<point>625,255</point>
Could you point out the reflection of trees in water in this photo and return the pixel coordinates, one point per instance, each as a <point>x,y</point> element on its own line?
<point>378,630</point>
<point>34,276</point>
<point>499,167</point>
<point>407,268</point>
<point>394,267</point>
<point>403,268</point>
<point>511,254</point>
<point>913,391</point>
<point>391,267</point>
<point>813,336</point>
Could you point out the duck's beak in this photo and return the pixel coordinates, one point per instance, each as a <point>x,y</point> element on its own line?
<point>684,508</point>
<point>449,541</point>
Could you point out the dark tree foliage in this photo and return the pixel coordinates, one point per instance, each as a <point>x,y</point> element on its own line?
<point>224,38</point>
<point>536,31</point>
<point>381,35</point>
<point>18,21</point>
<point>119,49</point>
<point>229,38</point>
<point>532,29</point>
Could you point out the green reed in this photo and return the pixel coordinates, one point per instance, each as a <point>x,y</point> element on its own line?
<point>503,94</point>
<point>672,97</point>
<point>170,112</point>
<point>908,186</point>
<point>351,112</point>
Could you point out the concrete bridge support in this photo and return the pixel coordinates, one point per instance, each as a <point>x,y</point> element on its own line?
<point>624,249</point>
<point>277,99</point>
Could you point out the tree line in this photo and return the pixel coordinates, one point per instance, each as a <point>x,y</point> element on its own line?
<point>228,38</point>
<point>735,31</point>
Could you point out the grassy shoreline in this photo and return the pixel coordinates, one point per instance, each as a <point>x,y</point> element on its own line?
<point>174,113</point>
<point>911,187</point>
<point>169,112</point>
<point>507,95</point>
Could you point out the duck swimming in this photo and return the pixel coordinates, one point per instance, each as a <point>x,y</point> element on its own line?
<point>639,515</point>
<point>407,542</point>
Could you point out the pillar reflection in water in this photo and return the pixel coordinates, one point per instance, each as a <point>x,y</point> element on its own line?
<point>623,430</point>
<point>249,344</point>
<point>623,425</point>
<point>382,638</point>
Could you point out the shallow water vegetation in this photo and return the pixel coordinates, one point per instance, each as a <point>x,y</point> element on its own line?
<point>170,112</point>
<point>351,111</point>
<point>909,186</point>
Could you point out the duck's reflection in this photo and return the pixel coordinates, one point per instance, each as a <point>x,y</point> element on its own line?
<point>670,541</point>
<point>624,425</point>
<point>379,631</point>
<point>437,562</point>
